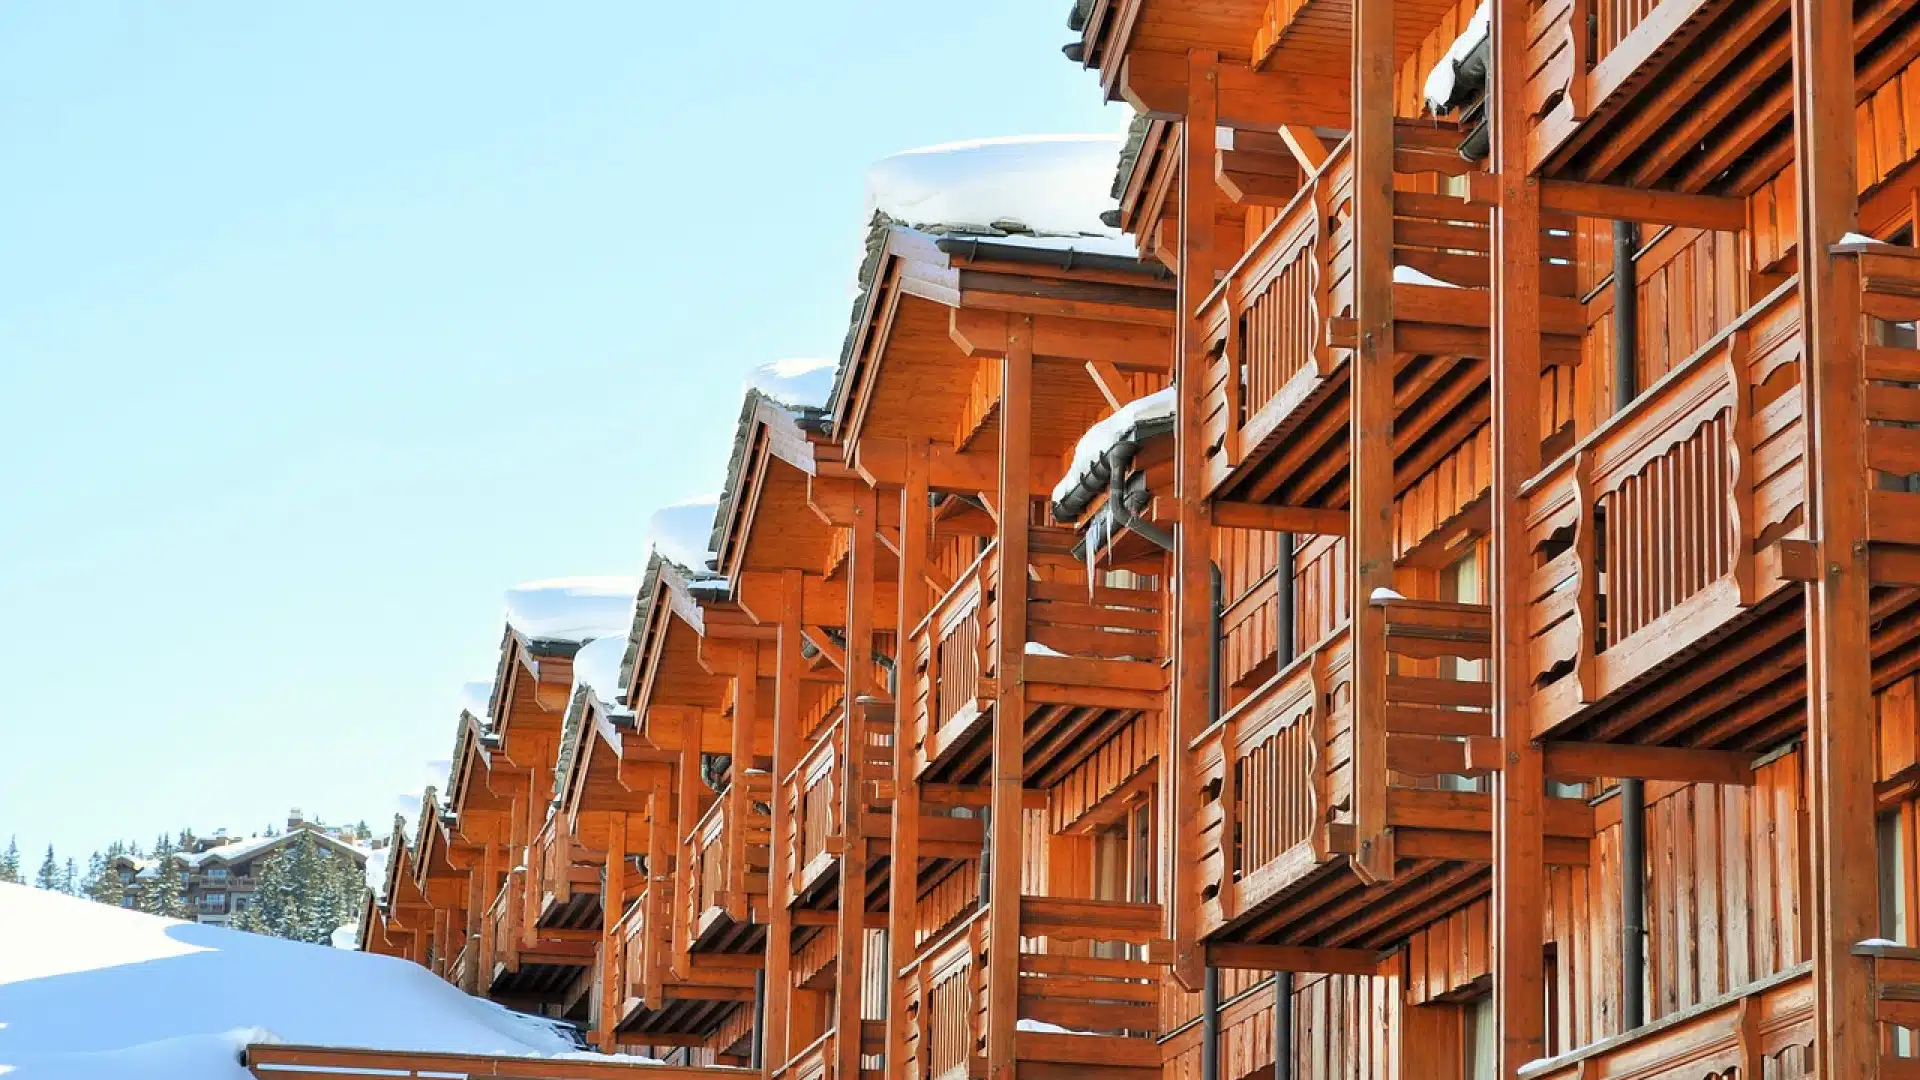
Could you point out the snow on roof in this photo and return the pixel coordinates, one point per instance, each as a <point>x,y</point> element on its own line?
<point>571,608</point>
<point>1439,88</point>
<point>796,383</point>
<point>682,532</point>
<point>249,846</point>
<point>1031,183</point>
<point>596,667</point>
<point>476,698</point>
<point>1119,246</point>
<point>178,992</point>
<point>1102,436</point>
<point>376,871</point>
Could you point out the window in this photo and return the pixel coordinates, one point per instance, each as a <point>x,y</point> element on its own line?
<point>126,877</point>
<point>1480,1050</point>
<point>213,902</point>
<point>216,873</point>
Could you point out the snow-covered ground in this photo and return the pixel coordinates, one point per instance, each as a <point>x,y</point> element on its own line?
<point>89,992</point>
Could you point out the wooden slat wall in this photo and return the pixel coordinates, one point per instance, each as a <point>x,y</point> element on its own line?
<point>1105,771</point>
<point>1887,127</point>
<point>1345,1028</point>
<point>1411,79</point>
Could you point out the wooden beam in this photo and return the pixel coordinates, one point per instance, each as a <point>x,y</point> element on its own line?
<point>1157,84</point>
<point>1717,213</point>
<point>1582,761</point>
<point>1370,430</point>
<point>1312,520</point>
<point>903,883</point>
<point>1256,178</point>
<point>1007,765</point>
<point>774,1046</point>
<point>1127,346</point>
<point>1844,863</point>
<point>1193,537</point>
<point>1519,788</point>
<point>1307,148</point>
<point>1300,959</point>
<point>851,943</point>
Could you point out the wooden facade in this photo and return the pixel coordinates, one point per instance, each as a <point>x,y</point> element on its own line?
<point>1483,642</point>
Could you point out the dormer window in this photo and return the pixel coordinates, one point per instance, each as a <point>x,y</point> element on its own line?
<point>216,873</point>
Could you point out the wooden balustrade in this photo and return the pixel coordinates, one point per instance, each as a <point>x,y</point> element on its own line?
<point>812,793</point>
<point>1761,1030</point>
<point>555,860</point>
<point>727,853</point>
<point>503,919</point>
<point>643,937</point>
<point>952,651</point>
<point>1280,327</point>
<point>1266,788</point>
<point>1646,536</point>
<point>1890,303</point>
<point>945,1029</point>
<point>1099,1008</point>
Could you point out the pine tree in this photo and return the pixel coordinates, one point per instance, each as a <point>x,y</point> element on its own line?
<point>10,861</point>
<point>70,878</point>
<point>305,891</point>
<point>48,876</point>
<point>103,880</point>
<point>165,893</point>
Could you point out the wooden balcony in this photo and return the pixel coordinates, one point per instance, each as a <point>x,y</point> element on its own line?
<point>1280,329</point>
<point>1692,95</point>
<point>1658,533</point>
<point>1108,1005</point>
<point>569,878</point>
<point>1093,660</point>
<point>671,999</point>
<point>727,856</point>
<point>817,832</point>
<point>530,964</point>
<point>1761,1030</point>
<point>1280,797</point>
<point>953,652</point>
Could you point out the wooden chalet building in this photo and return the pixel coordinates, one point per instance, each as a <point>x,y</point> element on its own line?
<point>1435,596</point>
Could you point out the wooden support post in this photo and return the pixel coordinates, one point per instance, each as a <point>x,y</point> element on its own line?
<point>1840,738</point>
<point>746,714</point>
<point>686,812</point>
<point>489,888</point>
<point>539,797</point>
<point>902,906</point>
<point>1010,704</point>
<point>660,829</point>
<point>1193,546</point>
<point>861,551</point>
<point>612,900</point>
<point>1519,869</point>
<point>775,1049</point>
<point>1370,429</point>
<point>470,930</point>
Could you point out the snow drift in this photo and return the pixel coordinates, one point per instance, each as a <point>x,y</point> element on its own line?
<point>88,990</point>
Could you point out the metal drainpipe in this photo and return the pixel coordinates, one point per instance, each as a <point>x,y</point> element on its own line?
<point>1286,654</point>
<point>1633,792</point>
<point>757,1055</point>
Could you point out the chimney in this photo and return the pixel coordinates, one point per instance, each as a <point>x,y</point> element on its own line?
<point>294,820</point>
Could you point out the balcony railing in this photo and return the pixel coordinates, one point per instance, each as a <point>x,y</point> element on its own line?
<point>727,852</point>
<point>1761,1030</point>
<point>1280,327</point>
<point>817,830</point>
<point>953,649</point>
<point>503,919</point>
<point>945,986</point>
<point>1889,282</point>
<point>1267,776</point>
<point>1645,535</point>
<point>643,939</point>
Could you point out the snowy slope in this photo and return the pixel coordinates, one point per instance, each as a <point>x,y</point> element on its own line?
<point>88,990</point>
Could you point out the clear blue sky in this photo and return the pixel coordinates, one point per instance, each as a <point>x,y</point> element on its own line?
<point>321,324</point>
